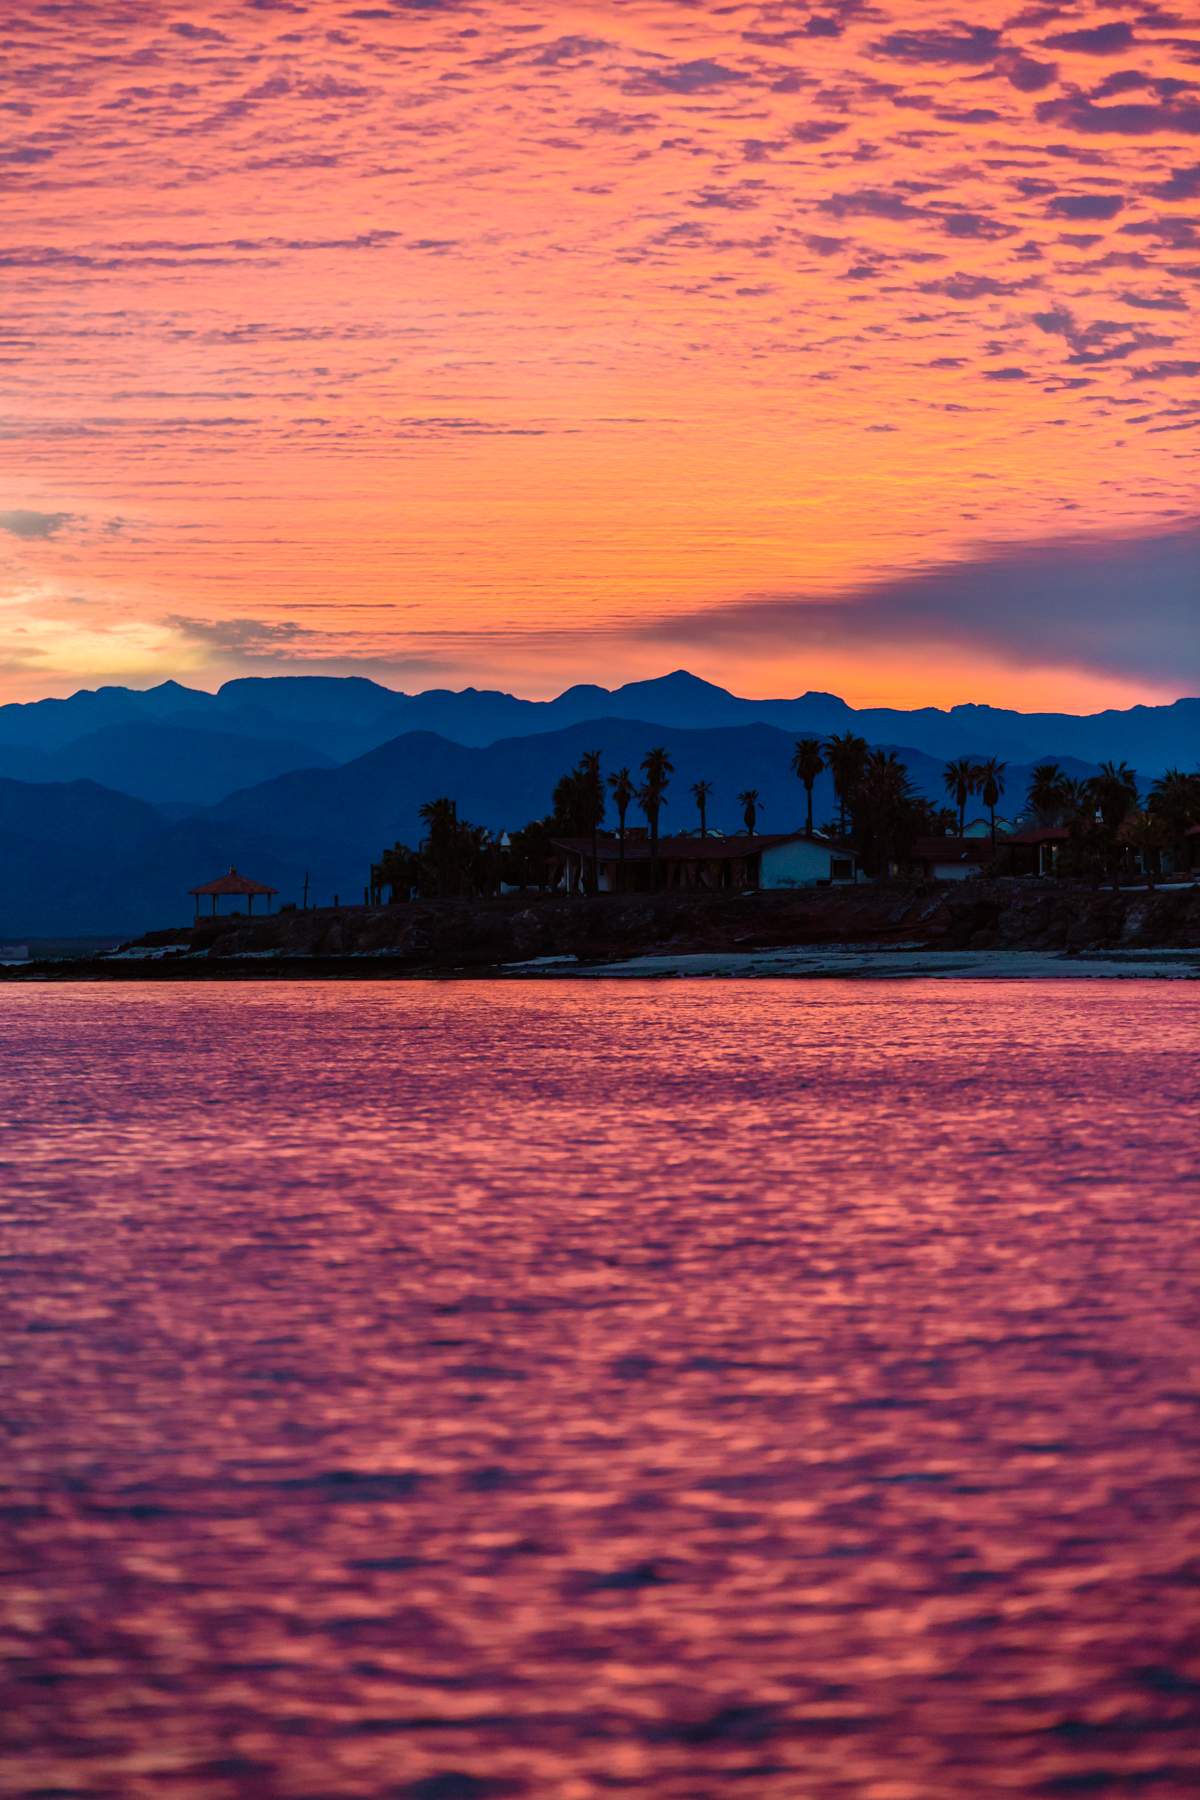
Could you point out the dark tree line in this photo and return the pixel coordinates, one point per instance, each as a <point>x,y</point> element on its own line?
<point>1109,828</point>
<point>880,815</point>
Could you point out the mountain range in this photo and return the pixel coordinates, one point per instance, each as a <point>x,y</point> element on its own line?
<point>115,801</point>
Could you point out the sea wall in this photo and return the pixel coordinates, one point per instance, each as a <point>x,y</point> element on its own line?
<point>480,934</point>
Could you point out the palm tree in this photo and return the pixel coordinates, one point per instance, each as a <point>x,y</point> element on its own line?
<point>397,870</point>
<point>440,819</point>
<point>623,793</point>
<point>1114,791</point>
<point>1149,834</point>
<point>1045,798</point>
<point>961,778</point>
<point>1175,799</point>
<point>579,807</point>
<point>808,763</point>
<point>748,801</point>
<point>591,784</point>
<point>656,767</point>
<point>702,794</point>
<point>845,758</point>
<point>885,808</point>
<point>990,775</point>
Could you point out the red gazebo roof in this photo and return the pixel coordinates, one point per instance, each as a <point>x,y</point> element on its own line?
<point>233,883</point>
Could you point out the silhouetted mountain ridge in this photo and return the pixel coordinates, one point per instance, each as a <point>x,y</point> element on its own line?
<point>336,718</point>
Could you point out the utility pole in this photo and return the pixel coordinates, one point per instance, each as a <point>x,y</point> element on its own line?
<point>306,890</point>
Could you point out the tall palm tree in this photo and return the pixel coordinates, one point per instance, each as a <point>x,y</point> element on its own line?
<point>591,784</point>
<point>657,768</point>
<point>624,793</point>
<point>1175,799</point>
<point>748,801</point>
<point>961,778</point>
<point>845,757</point>
<point>808,763</point>
<point>440,819</point>
<point>702,794</point>
<point>990,775</point>
<point>1045,796</point>
<point>884,808</point>
<point>1115,792</point>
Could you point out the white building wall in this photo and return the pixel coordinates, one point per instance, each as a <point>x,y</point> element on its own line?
<point>953,871</point>
<point>800,863</point>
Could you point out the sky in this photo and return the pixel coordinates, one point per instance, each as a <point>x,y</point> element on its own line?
<point>522,342</point>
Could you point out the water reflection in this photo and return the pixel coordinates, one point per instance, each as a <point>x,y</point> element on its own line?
<point>562,1390</point>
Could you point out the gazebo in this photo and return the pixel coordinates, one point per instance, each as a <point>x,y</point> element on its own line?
<point>233,883</point>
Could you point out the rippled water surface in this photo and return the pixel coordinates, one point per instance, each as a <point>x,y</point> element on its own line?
<point>676,1390</point>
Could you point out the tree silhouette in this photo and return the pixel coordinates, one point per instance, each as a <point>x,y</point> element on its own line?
<point>845,757</point>
<point>1046,795</point>
<point>702,794</point>
<point>1175,799</point>
<point>1114,792</point>
<point>888,813</point>
<point>961,778</point>
<point>579,805</point>
<point>396,869</point>
<point>624,793</point>
<point>656,768</point>
<point>990,778</point>
<point>807,764</point>
<point>592,785</point>
<point>455,857</point>
<point>440,819</point>
<point>749,803</point>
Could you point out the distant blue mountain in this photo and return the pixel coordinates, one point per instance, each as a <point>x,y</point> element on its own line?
<point>331,718</point>
<point>161,761</point>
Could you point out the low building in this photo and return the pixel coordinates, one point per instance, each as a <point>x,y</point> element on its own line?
<point>951,858</point>
<point>1036,850</point>
<point>711,864</point>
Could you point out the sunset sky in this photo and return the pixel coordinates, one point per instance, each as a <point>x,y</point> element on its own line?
<point>518,343</point>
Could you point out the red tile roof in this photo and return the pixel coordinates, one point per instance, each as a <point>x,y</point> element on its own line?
<point>233,883</point>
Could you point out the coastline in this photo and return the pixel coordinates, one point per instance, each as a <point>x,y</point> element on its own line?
<point>983,929</point>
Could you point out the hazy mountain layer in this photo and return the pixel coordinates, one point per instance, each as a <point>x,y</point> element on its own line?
<point>327,718</point>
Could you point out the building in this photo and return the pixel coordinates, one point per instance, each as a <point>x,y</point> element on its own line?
<point>1035,851</point>
<point>712,864</point>
<point>951,858</point>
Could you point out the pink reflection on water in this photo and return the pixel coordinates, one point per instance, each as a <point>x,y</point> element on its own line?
<point>563,1390</point>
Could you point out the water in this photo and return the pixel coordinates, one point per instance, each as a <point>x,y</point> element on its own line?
<point>676,1390</point>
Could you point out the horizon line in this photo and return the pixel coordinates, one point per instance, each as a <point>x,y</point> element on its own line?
<point>645,681</point>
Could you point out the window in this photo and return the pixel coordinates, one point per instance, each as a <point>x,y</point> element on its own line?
<point>841,868</point>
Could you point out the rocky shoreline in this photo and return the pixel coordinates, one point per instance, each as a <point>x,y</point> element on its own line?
<point>530,936</point>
